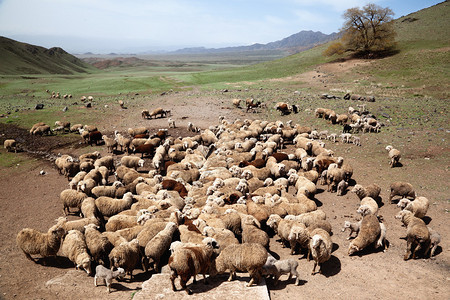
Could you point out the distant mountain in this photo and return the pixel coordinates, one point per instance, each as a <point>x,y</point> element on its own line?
<point>22,58</point>
<point>300,41</point>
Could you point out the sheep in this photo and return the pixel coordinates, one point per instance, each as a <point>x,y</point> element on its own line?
<point>63,125</point>
<point>341,188</point>
<point>135,131</point>
<point>372,190</point>
<point>110,206</point>
<point>158,245</point>
<point>320,247</point>
<point>108,191</point>
<point>144,149</point>
<point>76,179</point>
<point>394,155</point>
<point>435,239</point>
<point>276,268</point>
<point>369,233</point>
<point>122,141</point>
<point>126,256</point>
<point>223,236</point>
<point>74,248</point>
<point>31,241</point>
<point>402,189</point>
<point>33,128</point>
<point>190,261</point>
<point>368,206</point>
<point>71,199</point>
<point>236,102</point>
<point>145,114</point>
<point>40,130</point>
<point>418,207</point>
<point>110,143</point>
<point>417,234</point>
<point>354,227</point>
<point>132,162</point>
<point>252,234</point>
<point>94,137</point>
<point>99,246</point>
<point>107,161</point>
<point>281,227</point>
<point>107,275</point>
<point>119,221</point>
<point>10,144</point>
<point>157,111</point>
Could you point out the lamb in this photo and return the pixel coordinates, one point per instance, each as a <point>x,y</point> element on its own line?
<point>126,256</point>
<point>276,268</point>
<point>110,206</point>
<point>247,257</point>
<point>10,144</point>
<point>369,234</point>
<point>190,261</point>
<point>368,206</point>
<point>111,144</point>
<point>354,227</point>
<point>107,275</point>
<point>394,155</point>
<point>342,188</point>
<point>418,207</point>
<point>71,198</point>
<point>435,239</point>
<point>158,245</point>
<point>132,162</point>
<point>372,190</point>
<point>417,234</point>
<point>74,247</point>
<point>99,246</point>
<point>171,123</point>
<point>402,189</point>
<point>31,241</point>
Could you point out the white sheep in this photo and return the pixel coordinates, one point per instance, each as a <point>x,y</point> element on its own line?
<point>126,256</point>
<point>354,227</point>
<point>132,162</point>
<point>417,234</point>
<point>107,275</point>
<point>320,247</point>
<point>158,245</point>
<point>171,123</point>
<point>418,206</point>
<point>10,144</point>
<point>368,206</point>
<point>71,199</point>
<point>276,268</point>
<point>74,247</point>
<point>110,206</point>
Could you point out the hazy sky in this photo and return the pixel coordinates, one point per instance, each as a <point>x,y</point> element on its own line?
<point>104,26</point>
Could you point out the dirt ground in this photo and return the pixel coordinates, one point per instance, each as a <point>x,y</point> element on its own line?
<point>32,200</point>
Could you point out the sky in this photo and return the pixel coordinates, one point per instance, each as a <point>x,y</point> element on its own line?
<point>136,26</point>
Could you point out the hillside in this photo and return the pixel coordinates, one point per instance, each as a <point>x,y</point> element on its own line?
<point>21,58</point>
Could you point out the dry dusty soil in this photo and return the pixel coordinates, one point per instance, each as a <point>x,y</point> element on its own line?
<point>28,199</point>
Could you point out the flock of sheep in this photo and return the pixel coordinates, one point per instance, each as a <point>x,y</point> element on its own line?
<point>211,201</point>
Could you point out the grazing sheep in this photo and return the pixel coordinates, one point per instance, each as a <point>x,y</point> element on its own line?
<point>33,128</point>
<point>157,111</point>
<point>110,206</point>
<point>40,130</point>
<point>369,234</point>
<point>402,189</point>
<point>9,145</point>
<point>372,190</point>
<point>368,206</point>
<point>236,102</point>
<point>192,260</point>
<point>107,275</point>
<point>31,241</point>
<point>418,207</point>
<point>145,114</point>
<point>354,227</point>
<point>417,234</point>
<point>247,257</point>
<point>394,155</point>
<point>276,268</point>
<point>132,162</point>
<point>71,199</point>
<point>158,245</point>
<point>99,246</point>
<point>126,256</point>
<point>74,248</point>
<point>320,247</point>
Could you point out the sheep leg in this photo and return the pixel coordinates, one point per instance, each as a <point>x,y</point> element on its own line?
<point>205,280</point>
<point>108,285</point>
<point>95,280</point>
<point>314,268</point>
<point>28,256</point>
<point>408,250</point>
<point>173,275</point>
<point>417,248</point>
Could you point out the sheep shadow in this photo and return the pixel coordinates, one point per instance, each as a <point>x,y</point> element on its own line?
<point>427,219</point>
<point>331,267</point>
<point>320,191</point>
<point>318,202</point>
<point>335,247</point>
<point>117,287</point>
<point>59,262</point>
<point>282,284</point>
<point>201,287</point>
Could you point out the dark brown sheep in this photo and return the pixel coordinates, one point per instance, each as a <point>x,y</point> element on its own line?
<point>94,137</point>
<point>144,149</point>
<point>173,185</point>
